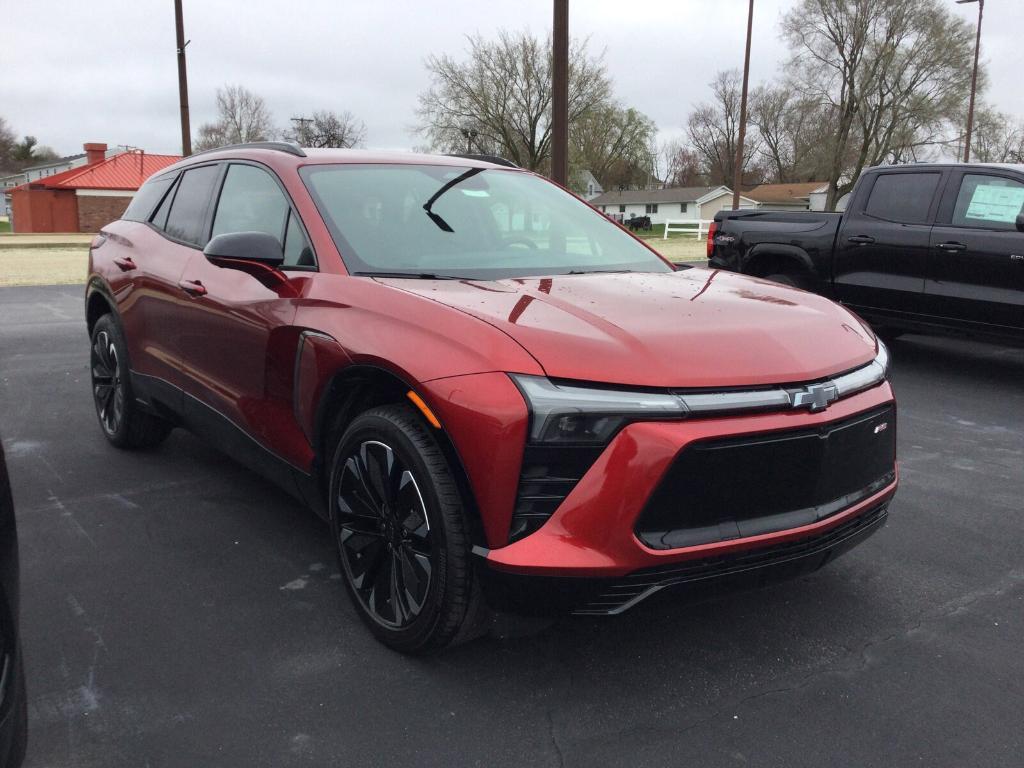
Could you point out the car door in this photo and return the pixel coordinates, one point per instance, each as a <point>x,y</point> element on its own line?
<point>976,270</point>
<point>882,250</point>
<point>155,263</point>
<point>237,354</point>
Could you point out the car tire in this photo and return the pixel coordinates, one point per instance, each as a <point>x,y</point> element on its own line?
<point>19,742</point>
<point>401,536</point>
<point>792,280</point>
<point>121,418</point>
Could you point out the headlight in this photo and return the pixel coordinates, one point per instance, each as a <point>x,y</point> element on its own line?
<point>865,377</point>
<point>569,414</point>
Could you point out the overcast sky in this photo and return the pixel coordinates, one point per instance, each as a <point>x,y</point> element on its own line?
<point>105,70</point>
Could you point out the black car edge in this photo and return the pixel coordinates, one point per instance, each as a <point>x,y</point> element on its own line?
<point>13,702</point>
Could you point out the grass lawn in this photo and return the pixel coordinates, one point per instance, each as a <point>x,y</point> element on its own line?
<point>43,266</point>
<point>5,226</point>
<point>678,247</point>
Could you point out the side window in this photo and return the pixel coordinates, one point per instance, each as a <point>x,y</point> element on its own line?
<point>297,252</point>
<point>146,199</point>
<point>250,201</point>
<point>904,198</point>
<point>682,207</point>
<point>988,202</point>
<point>191,203</point>
<point>159,219</point>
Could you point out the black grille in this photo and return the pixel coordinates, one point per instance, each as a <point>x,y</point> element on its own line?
<point>728,489</point>
<point>754,567</point>
<point>548,475</point>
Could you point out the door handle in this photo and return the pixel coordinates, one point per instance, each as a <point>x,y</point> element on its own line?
<point>862,239</point>
<point>192,287</point>
<point>124,263</point>
<point>951,247</point>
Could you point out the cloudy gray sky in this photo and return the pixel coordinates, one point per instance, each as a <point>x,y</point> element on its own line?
<point>105,70</point>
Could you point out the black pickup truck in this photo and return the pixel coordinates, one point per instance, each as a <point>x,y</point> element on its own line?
<point>922,247</point>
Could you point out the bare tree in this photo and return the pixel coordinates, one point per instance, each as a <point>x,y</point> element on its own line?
<point>681,166</point>
<point>713,130</point>
<point>329,129</point>
<point>502,91</point>
<point>242,116</point>
<point>792,132</point>
<point>997,137</point>
<point>887,75</point>
<point>7,144</point>
<point>613,142</point>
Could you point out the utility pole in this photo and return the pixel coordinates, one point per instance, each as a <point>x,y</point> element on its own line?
<point>301,129</point>
<point>469,134</point>
<point>560,94</point>
<point>737,177</point>
<point>974,79</point>
<point>186,132</point>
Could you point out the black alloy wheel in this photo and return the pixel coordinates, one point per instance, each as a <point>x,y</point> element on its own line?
<point>107,382</point>
<point>401,533</point>
<point>383,534</point>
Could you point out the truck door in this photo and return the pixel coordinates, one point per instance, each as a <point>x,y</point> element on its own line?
<point>976,269</point>
<point>881,253</point>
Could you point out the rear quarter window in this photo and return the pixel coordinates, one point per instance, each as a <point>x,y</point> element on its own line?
<point>905,198</point>
<point>147,198</point>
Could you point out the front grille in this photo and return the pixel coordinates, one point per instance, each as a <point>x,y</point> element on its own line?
<point>758,565</point>
<point>720,490</point>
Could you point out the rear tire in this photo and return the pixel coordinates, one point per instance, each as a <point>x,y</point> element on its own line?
<point>401,534</point>
<point>122,420</point>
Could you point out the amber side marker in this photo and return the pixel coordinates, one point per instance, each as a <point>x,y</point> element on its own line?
<point>418,402</point>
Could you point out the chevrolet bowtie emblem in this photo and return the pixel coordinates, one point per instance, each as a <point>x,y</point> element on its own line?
<point>816,397</point>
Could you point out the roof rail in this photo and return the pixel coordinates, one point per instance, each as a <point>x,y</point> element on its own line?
<point>487,159</point>
<point>279,146</point>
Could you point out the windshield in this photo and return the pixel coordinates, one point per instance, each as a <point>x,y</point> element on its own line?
<point>446,221</point>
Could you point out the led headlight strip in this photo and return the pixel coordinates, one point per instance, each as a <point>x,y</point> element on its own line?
<point>567,413</point>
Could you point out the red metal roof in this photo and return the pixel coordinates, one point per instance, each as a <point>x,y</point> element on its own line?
<point>125,171</point>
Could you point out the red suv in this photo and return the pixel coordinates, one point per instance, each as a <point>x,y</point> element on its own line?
<point>497,397</point>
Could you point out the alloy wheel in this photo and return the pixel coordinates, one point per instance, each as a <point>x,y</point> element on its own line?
<point>384,535</point>
<point>107,382</point>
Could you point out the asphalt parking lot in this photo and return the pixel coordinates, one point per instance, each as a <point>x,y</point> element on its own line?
<point>180,611</point>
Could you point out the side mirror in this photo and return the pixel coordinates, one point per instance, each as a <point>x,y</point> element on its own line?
<point>1020,222</point>
<point>244,250</point>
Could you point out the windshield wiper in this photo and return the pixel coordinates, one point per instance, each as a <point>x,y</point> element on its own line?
<point>410,275</point>
<point>441,223</point>
<point>599,272</point>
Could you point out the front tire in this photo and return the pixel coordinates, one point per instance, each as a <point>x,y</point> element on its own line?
<point>123,422</point>
<point>401,535</point>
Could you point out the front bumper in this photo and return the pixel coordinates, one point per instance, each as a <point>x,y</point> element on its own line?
<point>588,558</point>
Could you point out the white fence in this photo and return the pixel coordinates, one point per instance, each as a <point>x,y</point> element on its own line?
<point>698,228</point>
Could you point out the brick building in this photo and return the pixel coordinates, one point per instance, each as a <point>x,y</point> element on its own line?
<point>83,199</point>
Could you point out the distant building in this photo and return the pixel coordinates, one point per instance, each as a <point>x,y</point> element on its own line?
<point>785,197</point>
<point>42,171</point>
<point>86,196</point>
<point>674,203</point>
<point>586,185</point>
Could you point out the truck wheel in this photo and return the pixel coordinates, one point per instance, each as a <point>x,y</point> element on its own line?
<point>790,279</point>
<point>124,424</point>
<point>401,534</point>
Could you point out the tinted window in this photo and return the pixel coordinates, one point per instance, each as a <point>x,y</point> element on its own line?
<point>191,202</point>
<point>250,201</point>
<point>160,217</point>
<point>903,197</point>
<point>297,252</point>
<point>988,202</point>
<point>146,198</point>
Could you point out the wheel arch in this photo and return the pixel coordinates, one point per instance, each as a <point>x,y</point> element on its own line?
<point>99,301</point>
<point>770,258</point>
<point>355,389</point>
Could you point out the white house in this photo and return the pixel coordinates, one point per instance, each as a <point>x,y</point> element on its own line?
<point>819,195</point>
<point>674,203</point>
<point>586,185</point>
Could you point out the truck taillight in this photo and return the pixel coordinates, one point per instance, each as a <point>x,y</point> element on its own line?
<point>712,230</point>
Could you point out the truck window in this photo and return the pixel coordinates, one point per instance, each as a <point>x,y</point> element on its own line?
<point>988,202</point>
<point>904,198</point>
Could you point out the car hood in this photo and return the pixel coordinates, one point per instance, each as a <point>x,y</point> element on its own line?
<point>692,328</point>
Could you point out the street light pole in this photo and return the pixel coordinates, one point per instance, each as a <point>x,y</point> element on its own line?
<point>974,79</point>
<point>560,94</point>
<point>737,177</point>
<point>186,133</point>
